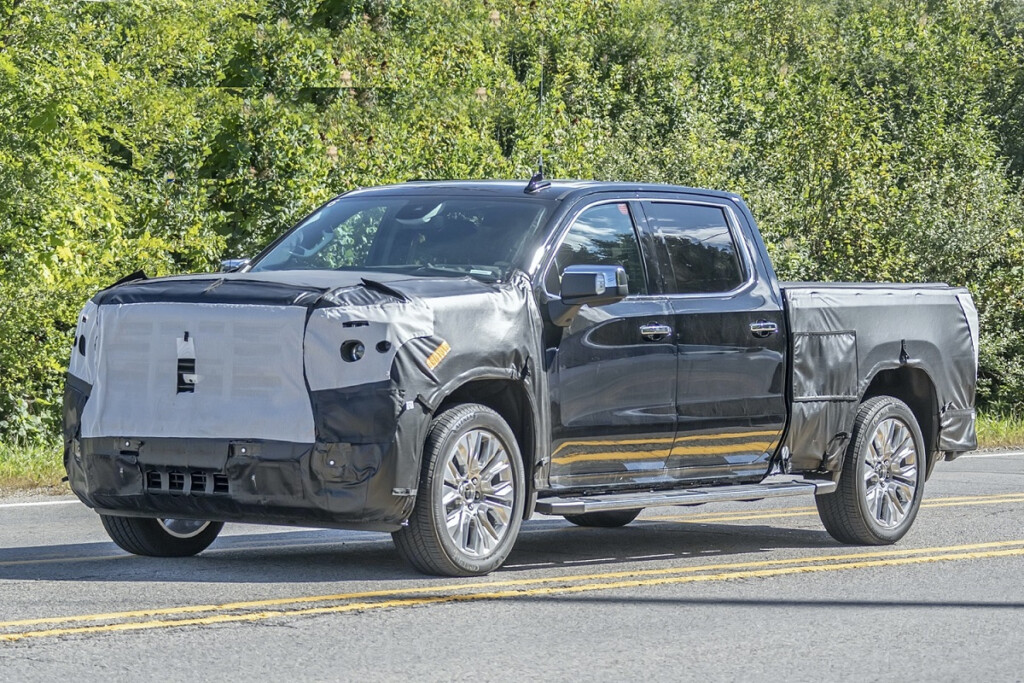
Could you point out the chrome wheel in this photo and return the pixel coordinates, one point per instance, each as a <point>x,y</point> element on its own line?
<point>890,473</point>
<point>183,528</point>
<point>469,505</point>
<point>882,480</point>
<point>479,494</point>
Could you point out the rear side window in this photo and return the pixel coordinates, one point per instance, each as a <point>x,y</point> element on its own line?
<point>602,235</point>
<point>701,250</point>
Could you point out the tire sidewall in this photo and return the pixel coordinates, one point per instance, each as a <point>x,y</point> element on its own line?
<point>484,418</point>
<point>891,408</point>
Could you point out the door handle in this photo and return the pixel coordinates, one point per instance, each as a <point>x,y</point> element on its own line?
<point>763,328</point>
<point>655,331</point>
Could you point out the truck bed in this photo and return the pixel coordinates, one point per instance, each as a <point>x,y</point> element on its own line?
<point>846,338</point>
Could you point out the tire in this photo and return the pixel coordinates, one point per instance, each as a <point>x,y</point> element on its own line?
<point>470,502</point>
<point>161,537</point>
<point>882,481</point>
<point>608,519</point>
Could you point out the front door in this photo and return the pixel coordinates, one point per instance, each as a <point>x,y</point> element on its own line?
<point>730,332</point>
<point>613,373</point>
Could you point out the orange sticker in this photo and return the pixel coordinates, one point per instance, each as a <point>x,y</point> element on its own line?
<point>434,359</point>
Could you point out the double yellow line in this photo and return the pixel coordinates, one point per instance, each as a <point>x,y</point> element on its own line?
<point>565,584</point>
<point>811,511</point>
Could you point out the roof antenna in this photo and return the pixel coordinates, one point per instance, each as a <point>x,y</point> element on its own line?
<point>537,181</point>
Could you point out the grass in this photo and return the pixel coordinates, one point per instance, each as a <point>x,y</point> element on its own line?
<point>40,466</point>
<point>35,466</point>
<point>1000,431</point>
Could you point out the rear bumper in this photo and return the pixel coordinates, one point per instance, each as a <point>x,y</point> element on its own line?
<point>329,485</point>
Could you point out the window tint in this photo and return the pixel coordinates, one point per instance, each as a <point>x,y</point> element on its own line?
<point>479,236</point>
<point>603,235</point>
<point>701,250</point>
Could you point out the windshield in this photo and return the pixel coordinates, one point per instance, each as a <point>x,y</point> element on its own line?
<point>480,237</point>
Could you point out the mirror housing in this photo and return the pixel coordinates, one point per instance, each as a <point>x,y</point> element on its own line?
<point>230,265</point>
<point>593,285</point>
<point>586,285</point>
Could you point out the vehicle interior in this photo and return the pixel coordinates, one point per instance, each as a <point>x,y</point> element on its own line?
<point>436,235</point>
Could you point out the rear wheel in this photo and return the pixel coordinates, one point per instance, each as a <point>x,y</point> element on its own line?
<point>470,502</point>
<point>883,475</point>
<point>161,537</point>
<point>608,519</point>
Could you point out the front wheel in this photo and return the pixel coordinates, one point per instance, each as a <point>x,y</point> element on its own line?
<point>470,502</point>
<point>883,475</point>
<point>161,537</point>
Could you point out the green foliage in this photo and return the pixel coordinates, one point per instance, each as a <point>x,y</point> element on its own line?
<point>874,139</point>
<point>1000,430</point>
<point>33,465</point>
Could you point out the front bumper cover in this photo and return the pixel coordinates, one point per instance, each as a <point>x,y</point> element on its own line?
<point>326,483</point>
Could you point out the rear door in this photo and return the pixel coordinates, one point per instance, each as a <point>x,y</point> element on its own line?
<point>730,335</point>
<point>612,377</point>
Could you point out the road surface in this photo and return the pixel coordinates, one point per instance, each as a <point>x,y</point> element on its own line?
<point>754,591</point>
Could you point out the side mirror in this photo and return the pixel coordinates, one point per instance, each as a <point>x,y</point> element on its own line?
<point>586,285</point>
<point>230,265</point>
<point>593,285</point>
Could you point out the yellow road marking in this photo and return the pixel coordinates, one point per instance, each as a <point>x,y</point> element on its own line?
<point>803,508</point>
<point>542,591</point>
<point>392,592</point>
<point>739,515</point>
<point>1011,497</point>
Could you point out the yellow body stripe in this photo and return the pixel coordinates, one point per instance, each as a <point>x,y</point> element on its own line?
<point>758,446</point>
<point>670,439</point>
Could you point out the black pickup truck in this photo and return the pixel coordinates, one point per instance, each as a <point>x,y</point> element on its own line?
<point>441,360</point>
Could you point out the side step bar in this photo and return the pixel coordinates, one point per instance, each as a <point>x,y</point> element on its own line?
<point>577,505</point>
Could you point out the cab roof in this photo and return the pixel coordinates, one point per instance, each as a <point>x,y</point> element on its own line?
<point>557,189</point>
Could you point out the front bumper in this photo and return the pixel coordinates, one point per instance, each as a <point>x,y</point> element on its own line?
<point>329,485</point>
<point>340,483</point>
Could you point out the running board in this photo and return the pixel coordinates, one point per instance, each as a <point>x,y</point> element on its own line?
<point>578,505</point>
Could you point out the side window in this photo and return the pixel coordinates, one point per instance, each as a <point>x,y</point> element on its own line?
<point>701,250</point>
<point>602,235</point>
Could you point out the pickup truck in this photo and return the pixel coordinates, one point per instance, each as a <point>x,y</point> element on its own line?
<point>442,360</point>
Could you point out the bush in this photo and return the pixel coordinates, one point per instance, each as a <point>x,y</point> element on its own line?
<point>874,140</point>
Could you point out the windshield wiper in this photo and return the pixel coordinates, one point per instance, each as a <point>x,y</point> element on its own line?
<point>459,270</point>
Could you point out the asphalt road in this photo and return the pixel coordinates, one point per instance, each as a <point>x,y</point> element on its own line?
<point>731,591</point>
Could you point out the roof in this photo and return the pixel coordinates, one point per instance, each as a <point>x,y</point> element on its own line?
<point>558,189</point>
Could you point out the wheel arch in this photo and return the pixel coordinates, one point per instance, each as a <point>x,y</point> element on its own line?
<point>913,386</point>
<point>511,399</point>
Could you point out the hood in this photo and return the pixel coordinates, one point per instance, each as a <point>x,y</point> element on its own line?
<point>309,288</point>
